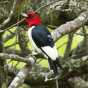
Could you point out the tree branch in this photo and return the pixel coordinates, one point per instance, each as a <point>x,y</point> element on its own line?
<point>20,77</point>
<point>24,18</point>
<point>46,5</point>
<point>10,15</point>
<point>78,82</point>
<point>70,26</point>
<point>5,56</point>
<point>37,77</point>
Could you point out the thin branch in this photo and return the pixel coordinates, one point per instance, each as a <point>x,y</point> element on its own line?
<point>5,56</point>
<point>13,25</point>
<point>68,46</point>
<point>8,37</point>
<point>40,74</point>
<point>70,26</point>
<point>12,45</point>
<point>20,77</point>
<point>46,5</point>
<point>24,18</point>
<point>10,15</point>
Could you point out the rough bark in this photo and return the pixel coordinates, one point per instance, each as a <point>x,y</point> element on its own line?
<point>70,26</point>
<point>9,16</point>
<point>20,77</point>
<point>79,68</point>
<point>74,68</point>
<point>6,56</point>
<point>78,82</point>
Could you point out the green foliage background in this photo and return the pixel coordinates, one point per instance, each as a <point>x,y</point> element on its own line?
<point>60,44</point>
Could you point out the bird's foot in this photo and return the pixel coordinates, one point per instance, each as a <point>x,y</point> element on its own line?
<point>52,76</point>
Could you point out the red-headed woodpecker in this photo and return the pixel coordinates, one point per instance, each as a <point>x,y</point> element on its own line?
<point>41,39</point>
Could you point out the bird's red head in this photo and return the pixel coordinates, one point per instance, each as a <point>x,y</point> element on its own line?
<point>33,19</point>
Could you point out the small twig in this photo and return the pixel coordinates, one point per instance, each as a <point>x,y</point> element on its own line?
<point>5,39</point>
<point>11,32</point>
<point>47,5</point>
<point>13,25</point>
<point>24,18</point>
<point>10,15</point>
<point>62,45</point>
<point>11,45</point>
<point>68,46</point>
<point>57,83</point>
<point>15,57</point>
